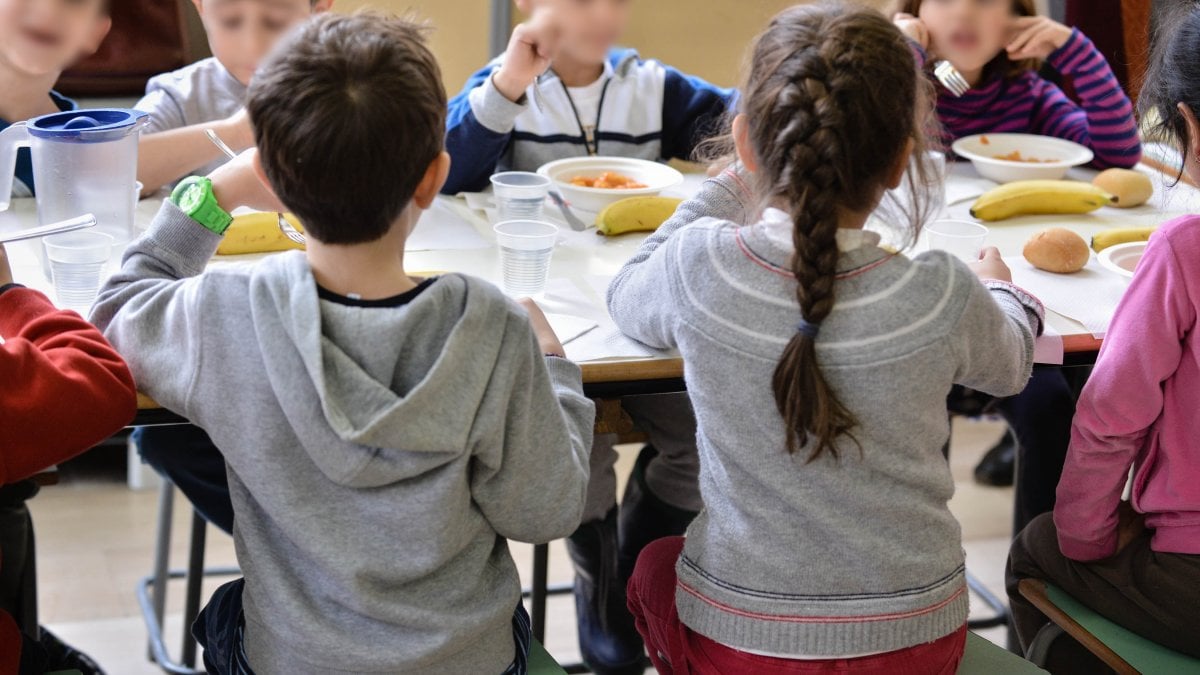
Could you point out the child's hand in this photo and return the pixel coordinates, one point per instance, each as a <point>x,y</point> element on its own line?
<point>546,338</point>
<point>991,266</point>
<point>6,276</point>
<point>530,50</point>
<point>912,27</point>
<point>1036,37</point>
<point>239,182</point>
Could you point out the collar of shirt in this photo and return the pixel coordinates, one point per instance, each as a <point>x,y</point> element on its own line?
<point>777,225</point>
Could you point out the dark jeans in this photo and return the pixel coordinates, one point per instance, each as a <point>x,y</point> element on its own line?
<point>1152,594</point>
<point>187,457</point>
<point>220,630</point>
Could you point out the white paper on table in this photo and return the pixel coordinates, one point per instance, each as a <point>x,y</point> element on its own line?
<point>444,228</point>
<point>965,188</point>
<point>562,296</point>
<point>1048,347</point>
<point>1089,296</point>
<point>568,327</point>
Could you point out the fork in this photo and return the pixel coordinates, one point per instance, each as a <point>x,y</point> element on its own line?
<point>288,231</point>
<point>284,226</point>
<point>950,78</point>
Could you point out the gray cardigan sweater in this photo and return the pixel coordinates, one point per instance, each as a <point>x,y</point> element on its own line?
<point>831,558</point>
<point>378,458</point>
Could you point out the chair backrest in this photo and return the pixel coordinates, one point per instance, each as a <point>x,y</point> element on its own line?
<point>1123,650</point>
<point>147,38</point>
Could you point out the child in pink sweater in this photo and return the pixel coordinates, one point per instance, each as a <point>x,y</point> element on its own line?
<point>1138,563</point>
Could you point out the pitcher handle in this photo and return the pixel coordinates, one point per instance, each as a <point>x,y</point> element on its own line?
<point>16,136</point>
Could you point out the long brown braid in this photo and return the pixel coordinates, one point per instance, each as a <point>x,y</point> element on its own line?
<point>831,102</point>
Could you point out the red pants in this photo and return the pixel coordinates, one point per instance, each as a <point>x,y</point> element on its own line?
<point>674,648</point>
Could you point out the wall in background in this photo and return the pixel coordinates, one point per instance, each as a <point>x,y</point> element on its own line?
<point>703,37</point>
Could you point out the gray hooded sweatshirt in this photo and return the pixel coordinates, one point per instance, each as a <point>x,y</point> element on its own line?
<point>378,458</point>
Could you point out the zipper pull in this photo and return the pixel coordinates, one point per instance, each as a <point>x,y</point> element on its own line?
<point>589,138</point>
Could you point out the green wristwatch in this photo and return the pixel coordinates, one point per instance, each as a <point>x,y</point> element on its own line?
<point>194,196</point>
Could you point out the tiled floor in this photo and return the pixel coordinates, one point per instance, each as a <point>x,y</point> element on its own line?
<point>95,540</point>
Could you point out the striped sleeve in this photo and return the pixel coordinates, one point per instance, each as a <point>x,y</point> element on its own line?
<point>1103,120</point>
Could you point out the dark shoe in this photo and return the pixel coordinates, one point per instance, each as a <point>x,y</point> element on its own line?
<point>608,640</point>
<point>645,517</point>
<point>49,654</point>
<point>999,464</point>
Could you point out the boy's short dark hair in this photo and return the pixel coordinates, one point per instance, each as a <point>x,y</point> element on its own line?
<point>348,112</point>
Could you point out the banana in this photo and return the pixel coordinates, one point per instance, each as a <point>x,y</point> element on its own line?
<point>635,214</point>
<point>1028,197</point>
<point>257,233</point>
<point>1102,240</point>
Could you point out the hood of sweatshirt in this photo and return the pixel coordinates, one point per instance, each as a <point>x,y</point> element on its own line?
<point>398,387</point>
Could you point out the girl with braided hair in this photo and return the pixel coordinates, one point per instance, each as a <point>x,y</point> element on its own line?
<point>818,364</point>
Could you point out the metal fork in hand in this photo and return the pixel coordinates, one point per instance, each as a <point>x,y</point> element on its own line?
<point>284,226</point>
<point>950,78</point>
<point>288,231</point>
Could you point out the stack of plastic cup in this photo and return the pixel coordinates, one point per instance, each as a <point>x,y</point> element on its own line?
<point>77,260</point>
<point>519,195</point>
<point>525,250</point>
<point>961,239</point>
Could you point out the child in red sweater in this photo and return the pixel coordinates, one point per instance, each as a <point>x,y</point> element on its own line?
<point>1138,562</point>
<point>62,390</point>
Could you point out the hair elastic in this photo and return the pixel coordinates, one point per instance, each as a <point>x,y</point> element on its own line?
<point>808,328</point>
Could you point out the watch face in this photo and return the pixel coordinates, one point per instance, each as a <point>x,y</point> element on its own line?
<point>192,197</point>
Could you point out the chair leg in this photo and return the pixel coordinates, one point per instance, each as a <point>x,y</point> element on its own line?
<point>1039,648</point>
<point>162,554</point>
<point>195,577</point>
<point>997,605</point>
<point>537,595</point>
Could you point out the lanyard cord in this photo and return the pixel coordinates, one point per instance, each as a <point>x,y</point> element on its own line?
<point>589,136</point>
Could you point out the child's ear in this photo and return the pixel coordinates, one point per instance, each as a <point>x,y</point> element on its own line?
<point>741,142</point>
<point>99,32</point>
<point>896,175</point>
<point>525,6</point>
<point>322,6</point>
<point>435,177</point>
<point>1192,142</point>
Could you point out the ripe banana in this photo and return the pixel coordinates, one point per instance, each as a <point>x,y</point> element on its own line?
<point>1102,240</point>
<point>257,233</point>
<point>1028,197</point>
<point>635,214</point>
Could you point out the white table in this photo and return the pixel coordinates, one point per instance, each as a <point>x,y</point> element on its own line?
<point>583,260</point>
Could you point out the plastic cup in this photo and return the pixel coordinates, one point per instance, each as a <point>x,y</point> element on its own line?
<point>960,238</point>
<point>525,249</point>
<point>519,194</point>
<point>937,161</point>
<point>76,262</point>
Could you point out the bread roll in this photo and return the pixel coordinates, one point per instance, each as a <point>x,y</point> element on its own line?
<point>1131,188</point>
<point>1057,250</point>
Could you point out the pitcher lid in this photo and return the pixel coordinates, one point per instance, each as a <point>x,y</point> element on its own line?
<point>95,125</point>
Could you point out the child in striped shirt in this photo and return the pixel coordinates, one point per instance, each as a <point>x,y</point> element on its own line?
<point>818,364</point>
<point>998,46</point>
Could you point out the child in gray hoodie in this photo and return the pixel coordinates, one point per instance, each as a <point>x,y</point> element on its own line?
<point>384,435</point>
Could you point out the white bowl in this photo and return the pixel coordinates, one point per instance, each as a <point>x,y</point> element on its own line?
<point>983,155</point>
<point>1122,259</point>
<point>657,177</point>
